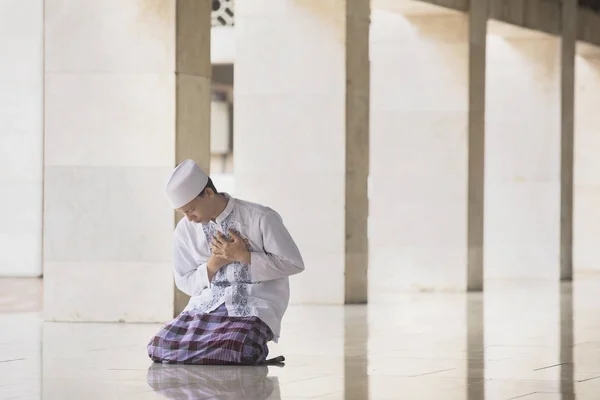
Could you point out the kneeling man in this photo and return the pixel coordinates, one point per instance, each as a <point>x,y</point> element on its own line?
<point>233,258</point>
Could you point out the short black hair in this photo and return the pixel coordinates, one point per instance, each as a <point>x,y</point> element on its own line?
<point>209,185</point>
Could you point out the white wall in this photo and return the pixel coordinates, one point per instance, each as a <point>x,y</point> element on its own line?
<point>419,123</point>
<point>224,182</point>
<point>220,141</point>
<point>522,175</point>
<point>222,51</point>
<point>587,160</point>
<point>222,45</point>
<point>21,137</point>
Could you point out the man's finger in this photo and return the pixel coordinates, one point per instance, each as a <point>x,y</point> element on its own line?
<point>234,235</point>
<point>217,243</point>
<point>222,238</point>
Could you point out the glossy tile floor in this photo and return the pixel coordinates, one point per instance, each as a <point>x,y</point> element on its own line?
<point>527,340</point>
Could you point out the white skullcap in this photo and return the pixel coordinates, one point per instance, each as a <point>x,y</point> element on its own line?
<point>185,183</point>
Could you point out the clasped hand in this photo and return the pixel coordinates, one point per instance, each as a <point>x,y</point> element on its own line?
<point>232,250</point>
<point>227,251</point>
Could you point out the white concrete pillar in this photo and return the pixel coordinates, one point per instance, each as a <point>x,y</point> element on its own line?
<point>301,133</point>
<point>425,229</point>
<point>587,162</point>
<point>21,137</point>
<point>127,97</point>
<point>523,154</point>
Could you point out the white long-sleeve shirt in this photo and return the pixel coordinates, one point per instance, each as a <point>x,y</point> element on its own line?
<point>259,289</point>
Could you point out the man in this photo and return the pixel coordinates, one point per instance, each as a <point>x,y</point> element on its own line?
<point>233,258</point>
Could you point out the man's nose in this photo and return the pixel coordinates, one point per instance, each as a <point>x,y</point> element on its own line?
<point>190,217</point>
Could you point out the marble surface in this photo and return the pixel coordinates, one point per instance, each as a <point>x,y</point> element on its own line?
<point>519,340</point>
<point>21,137</point>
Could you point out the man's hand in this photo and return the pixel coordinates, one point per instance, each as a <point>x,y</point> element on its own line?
<point>235,250</point>
<point>214,265</point>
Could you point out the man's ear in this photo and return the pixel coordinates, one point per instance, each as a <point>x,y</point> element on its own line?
<point>208,192</point>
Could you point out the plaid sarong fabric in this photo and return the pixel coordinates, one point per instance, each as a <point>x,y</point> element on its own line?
<point>211,339</point>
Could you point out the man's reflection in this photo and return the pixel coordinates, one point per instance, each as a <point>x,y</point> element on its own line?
<point>213,382</point>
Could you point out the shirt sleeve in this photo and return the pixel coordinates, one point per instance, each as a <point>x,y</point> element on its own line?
<point>281,257</point>
<point>191,275</point>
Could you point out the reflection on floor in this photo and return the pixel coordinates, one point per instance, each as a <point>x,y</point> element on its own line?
<point>524,340</point>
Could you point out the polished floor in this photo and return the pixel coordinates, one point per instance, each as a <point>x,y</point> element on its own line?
<point>527,340</point>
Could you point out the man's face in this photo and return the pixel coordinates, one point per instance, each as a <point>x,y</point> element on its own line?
<point>198,210</point>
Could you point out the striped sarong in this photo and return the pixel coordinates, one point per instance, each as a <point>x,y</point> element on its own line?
<point>211,339</point>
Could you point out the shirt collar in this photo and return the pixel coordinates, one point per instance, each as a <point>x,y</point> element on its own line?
<point>228,208</point>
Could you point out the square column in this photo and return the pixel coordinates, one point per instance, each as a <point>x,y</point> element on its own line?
<point>127,97</point>
<point>21,137</point>
<point>427,141</point>
<point>523,152</point>
<point>302,133</point>
<point>587,163</point>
